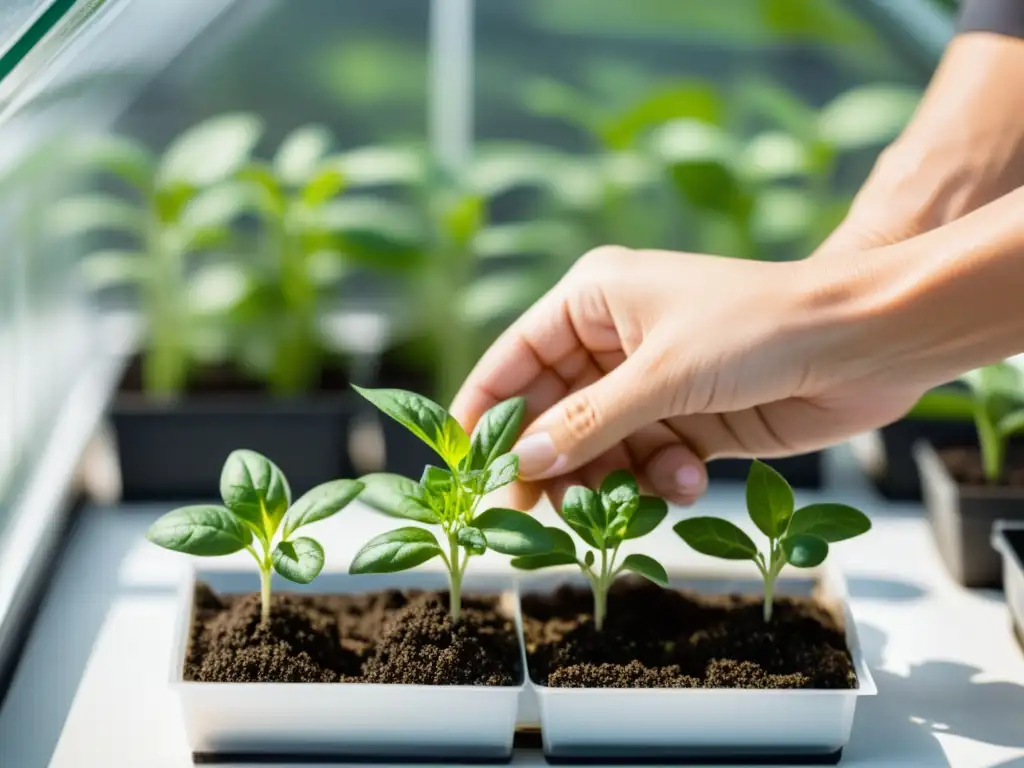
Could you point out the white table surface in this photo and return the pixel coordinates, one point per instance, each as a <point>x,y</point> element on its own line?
<point>91,691</point>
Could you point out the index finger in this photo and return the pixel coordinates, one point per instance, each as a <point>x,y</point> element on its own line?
<point>521,362</point>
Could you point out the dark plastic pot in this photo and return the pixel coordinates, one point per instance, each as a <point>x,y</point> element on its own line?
<point>175,450</point>
<point>803,471</point>
<point>962,519</point>
<point>896,476</point>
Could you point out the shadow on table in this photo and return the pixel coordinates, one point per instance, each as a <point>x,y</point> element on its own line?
<point>890,590</point>
<point>899,724</point>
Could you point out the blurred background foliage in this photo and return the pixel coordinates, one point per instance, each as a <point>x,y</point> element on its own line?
<point>738,127</point>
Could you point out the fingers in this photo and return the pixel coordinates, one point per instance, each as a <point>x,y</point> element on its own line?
<point>537,342</point>
<point>589,421</point>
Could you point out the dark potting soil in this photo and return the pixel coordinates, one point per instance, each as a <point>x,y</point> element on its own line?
<point>383,637</point>
<point>964,464</point>
<point>659,638</point>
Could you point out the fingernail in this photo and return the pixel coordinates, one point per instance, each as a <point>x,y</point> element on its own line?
<point>689,479</point>
<point>538,457</point>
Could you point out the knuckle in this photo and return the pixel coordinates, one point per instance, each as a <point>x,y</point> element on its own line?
<point>581,417</point>
<point>602,258</point>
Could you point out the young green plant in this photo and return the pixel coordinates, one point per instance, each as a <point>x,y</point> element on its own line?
<point>177,205</point>
<point>449,498</point>
<point>795,537</point>
<point>993,397</point>
<point>257,506</point>
<point>604,520</point>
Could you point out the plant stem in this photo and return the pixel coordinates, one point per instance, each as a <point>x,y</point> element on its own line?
<point>991,444</point>
<point>600,605</point>
<point>769,588</point>
<point>163,363</point>
<point>264,594</point>
<point>455,588</point>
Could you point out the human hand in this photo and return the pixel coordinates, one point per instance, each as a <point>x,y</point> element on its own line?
<point>657,362</point>
<point>962,150</point>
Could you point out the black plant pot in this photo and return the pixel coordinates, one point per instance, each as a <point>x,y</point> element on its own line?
<point>803,471</point>
<point>174,450</point>
<point>1008,540</point>
<point>896,476</point>
<point>962,519</point>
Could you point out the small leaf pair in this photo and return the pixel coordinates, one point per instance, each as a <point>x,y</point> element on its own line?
<point>257,504</point>
<point>604,520</point>
<point>798,537</point>
<point>449,497</point>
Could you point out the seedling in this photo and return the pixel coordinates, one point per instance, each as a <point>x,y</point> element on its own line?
<point>449,498</point>
<point>604,520</point>
<point>798,538</point>
<point>994,398</point>
<point>257,505</point>
<point>179,205</point>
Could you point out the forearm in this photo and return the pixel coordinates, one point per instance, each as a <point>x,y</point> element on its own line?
<point>963,148</point>
<point>932,307</point>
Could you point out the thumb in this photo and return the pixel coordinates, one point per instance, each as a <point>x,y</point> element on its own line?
<point>590,421</point>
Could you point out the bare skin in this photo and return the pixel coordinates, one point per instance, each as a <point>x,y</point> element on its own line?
<point>660,361</point>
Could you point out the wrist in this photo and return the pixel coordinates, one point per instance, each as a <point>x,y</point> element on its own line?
<point>923,311</point>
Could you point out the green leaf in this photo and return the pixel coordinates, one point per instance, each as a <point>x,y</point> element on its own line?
<point>547,560</point>
<point>769,499</point>
<point>299,560</point>
<point>700,157</point>
<point>805,550</point>
<point>205,530</point>
<point>105,269</point>
<point>620,498</point>
<point>562,541</point>
<point>436,479</point>
<point>324,185</point>
<point>472,539</point>
<point>582,509</point>
<point>218,206</point>
<point>868,116</point>
<point>397,496</point>
<point>501,296</point>
<point>320,503</point>
<point>255,489</point>
<point>544,238</point>
<point>82,214</point>
<point>1011,424</point>
<point>588,559</point>
<point>647,567</point>
<point>496,432</point>
<point>378,166</point>
<point>119,155</point>
<point>513,533</point>
<point>715,537</point>
<point>944,404</point>
<point>396,550</point>
<point>502,472</point>
<point>210,151</point>
<point>424,418</point>
<point>300,154</point>
<point>831,522</point>
<point>696,100</point>
<point>461,217</point>
<point>647,517</point>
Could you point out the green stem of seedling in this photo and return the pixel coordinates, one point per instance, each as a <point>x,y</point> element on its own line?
<point>455,589</point>
<point>991,443</point>
<point>163,362</point>
<point>264,596</point>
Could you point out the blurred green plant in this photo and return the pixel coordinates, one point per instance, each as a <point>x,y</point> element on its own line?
<point>993,397</point>
<point>178,205</point>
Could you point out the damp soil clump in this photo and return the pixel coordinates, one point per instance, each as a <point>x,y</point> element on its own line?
<point>660,638</point>
<point>383,637</point>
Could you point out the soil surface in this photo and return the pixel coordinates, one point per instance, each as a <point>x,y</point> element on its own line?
<point>383,637</point>
<point>659,638</point>
<point>964,464</point>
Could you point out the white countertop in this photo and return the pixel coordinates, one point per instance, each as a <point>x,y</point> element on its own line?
<point>91,691</point>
